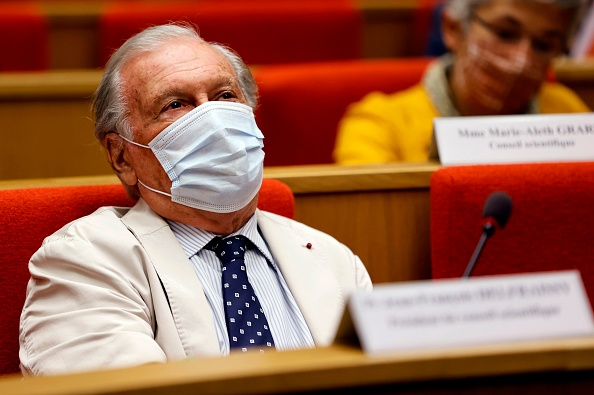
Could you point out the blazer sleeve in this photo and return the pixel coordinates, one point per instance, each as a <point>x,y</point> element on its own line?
<point>88,291</point>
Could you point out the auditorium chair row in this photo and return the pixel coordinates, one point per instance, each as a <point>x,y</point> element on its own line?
<point>51,134</point>
<point>48,131</point>
<point>69,34</point>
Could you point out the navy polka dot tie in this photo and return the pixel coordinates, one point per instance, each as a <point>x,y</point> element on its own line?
<point>246,323</point>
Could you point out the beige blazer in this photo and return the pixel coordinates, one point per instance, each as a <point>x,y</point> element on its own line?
<point>115,289</point>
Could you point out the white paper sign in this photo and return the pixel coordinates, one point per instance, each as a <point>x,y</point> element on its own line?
<point>435,314</point>
<point>514,139</point>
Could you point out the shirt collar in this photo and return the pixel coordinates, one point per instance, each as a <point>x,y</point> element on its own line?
<point>193,239</point>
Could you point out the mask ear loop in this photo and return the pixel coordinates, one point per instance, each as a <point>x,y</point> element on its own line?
<point>140,182</point>
<point>154,190</point>
<point>133,142</point>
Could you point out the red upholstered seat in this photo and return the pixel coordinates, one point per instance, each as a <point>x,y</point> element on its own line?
<point>550,227</point>
<point>261,31</point>
<point>301,104</point>
<point>29,215</point>
<point>276,196</point>
<point>24,37</point>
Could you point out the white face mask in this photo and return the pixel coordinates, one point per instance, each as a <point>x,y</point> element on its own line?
<point>213,156</point>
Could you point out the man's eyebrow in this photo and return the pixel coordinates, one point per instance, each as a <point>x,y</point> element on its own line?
<point>219,82</point>
<point>166,94</point>
<point>227,81</point>
<point>181,92</point>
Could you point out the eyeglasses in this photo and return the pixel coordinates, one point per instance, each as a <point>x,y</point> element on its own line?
<point>544,47</point>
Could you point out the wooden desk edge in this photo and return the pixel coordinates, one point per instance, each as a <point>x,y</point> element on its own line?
<point>337,178</point>
<point>316,369</point>
<point>303,179</point>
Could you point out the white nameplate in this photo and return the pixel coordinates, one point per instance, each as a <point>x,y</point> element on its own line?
<point>424,315</point>
<point>513,139</point>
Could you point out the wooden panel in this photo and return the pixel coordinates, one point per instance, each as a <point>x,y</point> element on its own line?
<point>74,40</point>
<point>48,138</point>
<point>380,211</point>
<point>388,28</point>
<point>549,367</point>
<point>387,230</point>
<point>46,125</point>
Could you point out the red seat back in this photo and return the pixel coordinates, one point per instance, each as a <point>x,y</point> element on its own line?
<point>550,227</point>
<point>260,31</point>
<point>302,104</point>
<point>29,215</point>
<point>24,37</point>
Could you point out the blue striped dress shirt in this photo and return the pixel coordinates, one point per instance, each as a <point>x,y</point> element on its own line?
<point>287,324</point>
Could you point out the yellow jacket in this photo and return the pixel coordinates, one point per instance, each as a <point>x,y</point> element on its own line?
<point>398,127</point>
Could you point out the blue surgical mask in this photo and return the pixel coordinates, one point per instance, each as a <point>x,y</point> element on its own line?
<point>213,156</point>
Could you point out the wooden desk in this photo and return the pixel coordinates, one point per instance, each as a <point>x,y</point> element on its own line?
<point>381,212</point>
<point>549,367</point>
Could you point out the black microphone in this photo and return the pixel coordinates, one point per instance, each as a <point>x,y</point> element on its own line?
<point>498,207</point>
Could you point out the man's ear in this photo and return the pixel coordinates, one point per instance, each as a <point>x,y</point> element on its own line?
<point>452,32</point>
<point>117,157</point>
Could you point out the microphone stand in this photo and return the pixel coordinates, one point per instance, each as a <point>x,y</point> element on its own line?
<point>488,230</point>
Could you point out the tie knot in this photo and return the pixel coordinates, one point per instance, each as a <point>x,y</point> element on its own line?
<point>229,249</point>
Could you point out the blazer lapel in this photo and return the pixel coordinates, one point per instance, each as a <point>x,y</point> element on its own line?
<point>189,307</point>
<point>307,272</point>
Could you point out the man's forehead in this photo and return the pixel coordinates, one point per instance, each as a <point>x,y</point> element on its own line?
<point>177,60</point>
<point>183,53</point>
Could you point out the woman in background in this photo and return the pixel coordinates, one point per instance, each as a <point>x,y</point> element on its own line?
<point>500,52</point>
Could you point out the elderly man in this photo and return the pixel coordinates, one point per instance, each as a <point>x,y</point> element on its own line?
<point>153,283</point>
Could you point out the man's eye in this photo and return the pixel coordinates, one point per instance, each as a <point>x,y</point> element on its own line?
<point>227,96</point>
<point>175,105</point>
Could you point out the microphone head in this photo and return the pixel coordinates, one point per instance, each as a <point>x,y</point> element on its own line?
<point>498,206</point>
